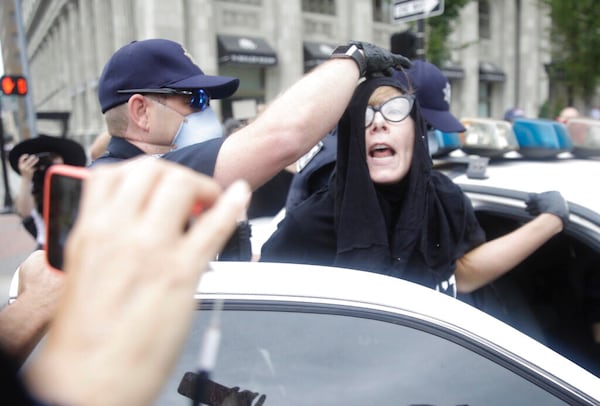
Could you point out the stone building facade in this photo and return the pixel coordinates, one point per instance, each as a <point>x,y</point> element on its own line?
<point>499,48</point>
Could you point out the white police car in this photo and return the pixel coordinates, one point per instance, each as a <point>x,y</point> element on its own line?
<point>311,335</point>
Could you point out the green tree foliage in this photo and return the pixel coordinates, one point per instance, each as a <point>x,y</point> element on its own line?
<point>438,30</point>
<point>575,39</point>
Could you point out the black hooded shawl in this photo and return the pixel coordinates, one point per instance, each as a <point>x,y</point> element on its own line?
<point>415,229</point>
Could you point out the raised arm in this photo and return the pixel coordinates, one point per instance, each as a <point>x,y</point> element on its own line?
<point>299,117</point>
<point>24,202</point>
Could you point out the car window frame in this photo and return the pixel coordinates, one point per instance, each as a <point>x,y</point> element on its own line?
<point>493,353</point>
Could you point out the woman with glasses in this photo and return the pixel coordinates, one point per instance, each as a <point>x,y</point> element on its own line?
<point>387,211</point>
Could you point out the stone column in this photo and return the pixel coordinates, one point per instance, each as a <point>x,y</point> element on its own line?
<point>286,32</point>
<point>469,58</point>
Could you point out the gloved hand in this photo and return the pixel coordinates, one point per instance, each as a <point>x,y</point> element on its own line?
<point>548,202</point>
<point>381,60</point>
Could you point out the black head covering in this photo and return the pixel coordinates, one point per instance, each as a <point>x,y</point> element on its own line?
<point>415,229</point>
<point>71,151</point>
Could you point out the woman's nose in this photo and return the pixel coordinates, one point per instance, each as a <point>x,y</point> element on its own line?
<point>378,120</point>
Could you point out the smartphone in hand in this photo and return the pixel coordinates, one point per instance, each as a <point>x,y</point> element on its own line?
<point>62,196</point>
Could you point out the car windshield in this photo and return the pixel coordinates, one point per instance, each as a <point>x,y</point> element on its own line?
<point>300,358</point>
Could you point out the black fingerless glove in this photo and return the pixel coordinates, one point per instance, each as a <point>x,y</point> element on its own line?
<point>548,202</point>
<point>239,247</point>
<point>380,60</point>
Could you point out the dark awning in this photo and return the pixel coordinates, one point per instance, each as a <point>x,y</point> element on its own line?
<point>244,50</point>
<point>316,53</point>
<point>488,72</point>
<point>452,71</point>
<point>60,116</point>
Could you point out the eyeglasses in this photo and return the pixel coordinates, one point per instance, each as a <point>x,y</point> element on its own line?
<point>199,99</point>
<point>394,110</point>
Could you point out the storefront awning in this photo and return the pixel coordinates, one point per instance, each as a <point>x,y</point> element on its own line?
<point>488,72</point>
<point>452,71</point>
<point>244,50</point>
<point>316,53</point>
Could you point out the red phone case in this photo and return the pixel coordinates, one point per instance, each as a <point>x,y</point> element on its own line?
<point>57,170</point>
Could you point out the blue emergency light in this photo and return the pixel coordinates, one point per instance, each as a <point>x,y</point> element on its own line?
<point>541,138</point>
<point>441,143</point>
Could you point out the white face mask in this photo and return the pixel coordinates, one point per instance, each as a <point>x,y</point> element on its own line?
<point>198,127</point>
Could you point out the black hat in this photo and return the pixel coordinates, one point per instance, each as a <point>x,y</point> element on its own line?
<point>156,64</point>
<point>71,152</point>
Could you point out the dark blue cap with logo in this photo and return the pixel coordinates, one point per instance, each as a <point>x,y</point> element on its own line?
<point>156,64</point>
<point>432,91</point>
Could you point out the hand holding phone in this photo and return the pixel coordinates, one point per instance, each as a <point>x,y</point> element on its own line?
<point>133,271</point>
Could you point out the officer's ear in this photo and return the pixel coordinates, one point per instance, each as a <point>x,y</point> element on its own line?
<point>139,109</point>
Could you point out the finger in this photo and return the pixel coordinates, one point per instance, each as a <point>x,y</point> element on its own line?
<point>97,190</point>
<point>174,198</point>
<point>125,187</point>
<point>135,190</point>
<point>27,161</point>
<point>402,61</point>
<point>210,232</point>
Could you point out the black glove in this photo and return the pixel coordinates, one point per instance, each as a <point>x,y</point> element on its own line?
<point>548,202</point>
<point>381,60</point>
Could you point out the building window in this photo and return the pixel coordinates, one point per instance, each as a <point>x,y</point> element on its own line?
<point>484,104</point>
<point>319,6</point>
<point>252,86</point>
<point>484,19</point>
<point>382,10</point>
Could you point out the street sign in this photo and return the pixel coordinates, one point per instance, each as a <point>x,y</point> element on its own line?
<point>410,10</point>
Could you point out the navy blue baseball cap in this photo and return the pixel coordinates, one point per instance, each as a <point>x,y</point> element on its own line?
<point>156,64</point>
<point>432,91</point>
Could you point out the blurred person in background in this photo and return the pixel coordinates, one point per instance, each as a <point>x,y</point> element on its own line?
<point>511,114</point>
<point>566,114</point>
<point>231,125</point>
<point>31,159</point>
<point>99,145</point>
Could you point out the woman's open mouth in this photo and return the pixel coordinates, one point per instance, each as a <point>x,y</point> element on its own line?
<point>381,151</point>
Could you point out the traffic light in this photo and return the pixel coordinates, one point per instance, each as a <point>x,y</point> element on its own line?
<point>13,85</point>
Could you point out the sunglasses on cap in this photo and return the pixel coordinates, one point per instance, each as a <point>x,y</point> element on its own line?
<point>394,110</point>
<point>199,99</point>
